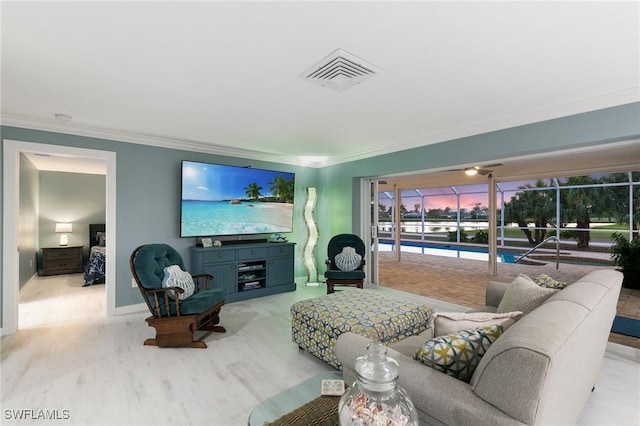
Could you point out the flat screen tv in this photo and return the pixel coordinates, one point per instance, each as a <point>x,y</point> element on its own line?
<point>230,200</point>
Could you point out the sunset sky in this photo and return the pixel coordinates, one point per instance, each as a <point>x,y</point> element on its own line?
<point>442,197</point>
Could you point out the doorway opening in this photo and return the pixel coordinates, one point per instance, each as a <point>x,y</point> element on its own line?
<point>11,241</point>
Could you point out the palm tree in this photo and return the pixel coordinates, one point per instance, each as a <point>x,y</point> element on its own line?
<point>618,199</point>
<point>532,206</point>
<point>582,203</point>
<point>282,189</point>
<point>477,210</point>
<point>289,191</point>
<point>253,191</point>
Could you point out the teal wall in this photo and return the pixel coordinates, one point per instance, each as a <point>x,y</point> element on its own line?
<point>148,179</point>
<point>78,198</point>
<point>49,197</point>
<point>148,196</point>
<point>28,220</point>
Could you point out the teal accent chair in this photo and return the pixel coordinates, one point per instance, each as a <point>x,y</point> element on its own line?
<point>333,274</point>
<point>175,320</point>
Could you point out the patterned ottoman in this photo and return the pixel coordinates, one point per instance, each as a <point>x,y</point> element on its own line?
<point>318,322</point>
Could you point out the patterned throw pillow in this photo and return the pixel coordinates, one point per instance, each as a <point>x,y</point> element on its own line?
<point>524,295</point>
<point>458,354</point>
<point>544,280</point>
<point>451,322</point>
<point>101,237</point>
<point>348,259</point>
<point>176,277</point>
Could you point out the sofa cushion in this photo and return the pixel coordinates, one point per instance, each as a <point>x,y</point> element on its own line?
<point>451,322</point>
<point>336,274</point>
<point>544,280</point>
<point>524,295</point>
<point>174,276</point>
<point>458,354</point>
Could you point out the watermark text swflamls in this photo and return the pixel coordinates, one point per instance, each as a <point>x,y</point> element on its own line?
<point>36,414</point>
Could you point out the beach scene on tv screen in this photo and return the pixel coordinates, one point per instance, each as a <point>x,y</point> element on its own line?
<point>226,200</point>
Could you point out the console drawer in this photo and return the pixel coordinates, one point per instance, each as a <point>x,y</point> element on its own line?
<point>281,250</point>
<point>215,256</point>
<point>252,253</point>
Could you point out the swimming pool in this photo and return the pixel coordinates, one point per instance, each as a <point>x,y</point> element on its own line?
<point>480,253</point>
<point>462,253</point>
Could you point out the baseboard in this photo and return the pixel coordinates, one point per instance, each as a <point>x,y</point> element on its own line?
<point>33,277</point>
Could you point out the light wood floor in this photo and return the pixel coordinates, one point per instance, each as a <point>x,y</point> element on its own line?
<point>67,355</point>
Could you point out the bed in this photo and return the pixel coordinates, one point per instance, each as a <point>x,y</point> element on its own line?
<point>94,272</point>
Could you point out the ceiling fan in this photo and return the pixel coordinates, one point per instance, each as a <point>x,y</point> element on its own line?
<point>478,170</point>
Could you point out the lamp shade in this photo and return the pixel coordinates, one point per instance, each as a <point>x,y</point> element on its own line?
<point>64,227</point>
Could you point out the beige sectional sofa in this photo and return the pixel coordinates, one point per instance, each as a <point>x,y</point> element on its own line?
<point>540,371</point>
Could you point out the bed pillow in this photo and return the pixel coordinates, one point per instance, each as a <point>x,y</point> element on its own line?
<point>176,277</point>
<point>544,280</point>
<point>451,322</point>
<point>458,354</point>
<point>524,295</point>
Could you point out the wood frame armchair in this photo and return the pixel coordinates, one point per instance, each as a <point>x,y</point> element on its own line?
<point>175,320</point>
<point>333,274</point>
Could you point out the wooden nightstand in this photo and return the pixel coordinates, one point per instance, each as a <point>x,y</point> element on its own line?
<point>61,260</point>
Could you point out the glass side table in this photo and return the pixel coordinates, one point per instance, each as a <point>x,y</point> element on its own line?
<point>290,399</point>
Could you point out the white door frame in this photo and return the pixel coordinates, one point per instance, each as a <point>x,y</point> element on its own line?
<point>369,227</point>
<point>11,194</point>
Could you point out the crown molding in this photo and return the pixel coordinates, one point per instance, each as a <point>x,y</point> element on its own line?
<point>609,100</point>
<point>622,97</point>
<point>137,138</point>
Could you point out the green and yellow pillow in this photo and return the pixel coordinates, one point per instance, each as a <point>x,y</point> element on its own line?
<point>544,280</point>
<point>458,354</point>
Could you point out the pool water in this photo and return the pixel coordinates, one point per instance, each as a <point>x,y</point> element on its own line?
<point>462,253</point>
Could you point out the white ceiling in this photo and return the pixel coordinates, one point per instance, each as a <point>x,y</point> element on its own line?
<point>67,163</point>
<point>223,76</point>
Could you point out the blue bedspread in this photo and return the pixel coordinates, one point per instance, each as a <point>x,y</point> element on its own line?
<point>95,272</point>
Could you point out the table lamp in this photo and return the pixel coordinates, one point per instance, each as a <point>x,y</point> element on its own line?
<point>64,228</point>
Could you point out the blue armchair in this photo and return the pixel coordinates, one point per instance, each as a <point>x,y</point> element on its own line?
<point>339,275</point>
<point>175,320</point>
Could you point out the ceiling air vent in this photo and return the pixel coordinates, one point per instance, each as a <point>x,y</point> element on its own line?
<point>340,70</point>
